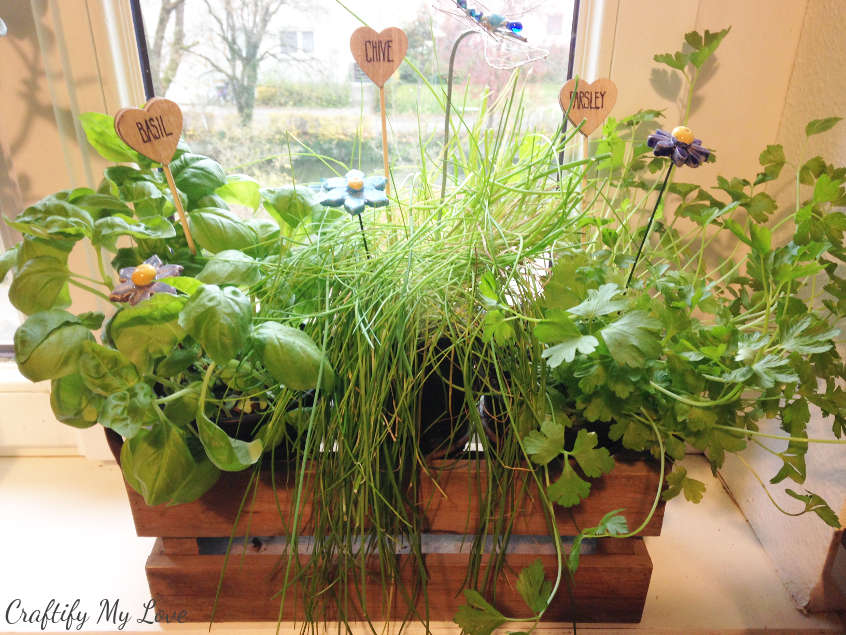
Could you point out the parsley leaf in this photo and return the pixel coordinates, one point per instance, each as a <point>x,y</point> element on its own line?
<point>815,503</point>
<point>593,461</point>
<point>678,482</point>
<point>600,302</point>
<point>497,327</point>
<point>533,587</point>
<point>545,444</point>
<point>807,344</point>
<point>560,330</point>
<point>478,617</point>
<point>570,489</point>
<point>631,340</point>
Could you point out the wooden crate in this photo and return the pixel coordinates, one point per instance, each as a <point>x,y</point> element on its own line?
<point>611,584</point>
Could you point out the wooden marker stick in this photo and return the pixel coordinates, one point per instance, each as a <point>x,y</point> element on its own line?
<point>154,132</point>
<point>379,55</point>
<point>183,220</point>
<point>385,140</point>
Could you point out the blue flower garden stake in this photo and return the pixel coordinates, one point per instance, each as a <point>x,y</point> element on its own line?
<point>355,192</point>
<point>683,149</point>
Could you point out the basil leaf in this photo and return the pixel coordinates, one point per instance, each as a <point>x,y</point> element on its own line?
<point>53,216</point>
<point>231,267</point>
<point>241,190</point>
<point>127,412</point>
<point>105,370</point>
<point>219,319</point>
<point>108,230</point>
<point>197,175</point>
<point>48,344</point>
<point>149,330</point>
<point>228,454</point>
<point>217,230</point>
<point>72,403</point>
<point>7,261</point>
<point>41,284</point>
<point>100,132</point>
<point>292,357</point>
<point>290,205</point>
<point>160,465</point>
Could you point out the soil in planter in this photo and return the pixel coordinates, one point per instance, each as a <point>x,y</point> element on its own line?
<point>248,425</point>
<point>446,421</point>
<point>444,418</point>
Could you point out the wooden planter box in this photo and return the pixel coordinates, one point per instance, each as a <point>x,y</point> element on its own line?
<point>184,567</point>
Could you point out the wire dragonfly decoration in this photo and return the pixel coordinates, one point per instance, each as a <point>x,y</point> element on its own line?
<point>510,50</point>
<point>505,46</point>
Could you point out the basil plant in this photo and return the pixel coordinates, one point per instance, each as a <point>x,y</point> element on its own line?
<point>187,367</point>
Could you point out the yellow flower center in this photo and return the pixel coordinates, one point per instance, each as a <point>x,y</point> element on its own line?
<point>355,184</point>
<point>143,275</point>
<point>683,134</point>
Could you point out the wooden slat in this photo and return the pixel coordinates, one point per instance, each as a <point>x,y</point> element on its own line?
<point>610,587</point>
<point>451,505</point>
<point>214,514</point>
<point>631,486</point>
<point>180,546</point>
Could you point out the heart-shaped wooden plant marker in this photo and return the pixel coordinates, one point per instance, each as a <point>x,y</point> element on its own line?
<point>154,131</point>
<point>591,103</point>
<point>379,55</point>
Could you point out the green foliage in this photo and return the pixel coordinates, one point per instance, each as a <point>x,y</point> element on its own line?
<point>197,176</point>
<point>292,357</point>
<point>240,189</point>
<point>533,587</point>
<point>478,617</point>
<point>162,465</point>
<point>703,47</point>
<point>219,230</point>
<point>48,344</point>
<point>678,482</point>
<point>814,503</point>
<point>303,95</point>
<point>821,125</point>
<point>231,267</point>
<point>219,320</point>
<point>149,330</point>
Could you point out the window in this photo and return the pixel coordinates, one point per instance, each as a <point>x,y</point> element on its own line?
<point>289,41</point>
<point>553,24</point>
<point>307,38</point>
<point>304,85</point>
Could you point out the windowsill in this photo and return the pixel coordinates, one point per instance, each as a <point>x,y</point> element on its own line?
<point>11,379</point>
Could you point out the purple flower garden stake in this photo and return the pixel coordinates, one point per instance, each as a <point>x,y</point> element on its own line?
<point>683,149</point>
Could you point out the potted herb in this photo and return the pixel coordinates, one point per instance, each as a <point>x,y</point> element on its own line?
<point>185,368</point>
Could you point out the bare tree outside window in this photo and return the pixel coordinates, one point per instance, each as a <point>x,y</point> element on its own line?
<point>241,27</point>
<point>164,71</point>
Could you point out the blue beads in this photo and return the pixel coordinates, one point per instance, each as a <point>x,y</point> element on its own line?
<point>515,27</point>
<point>495,20</point>
<point>475,14</point>
<point>461,3</point>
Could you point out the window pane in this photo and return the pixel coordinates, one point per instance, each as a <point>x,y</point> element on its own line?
<point>312,103</point>
<point>289,41</point>
<point>307,41</point>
